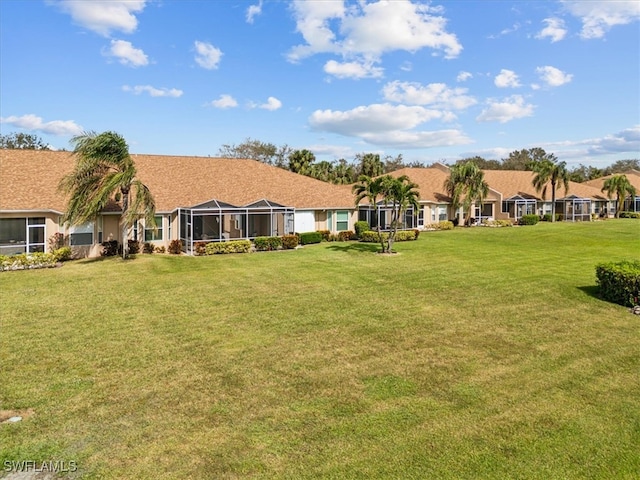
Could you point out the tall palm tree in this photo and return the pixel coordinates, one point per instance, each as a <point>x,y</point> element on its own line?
<point>105,172</point>
<point>466,185</point>
<point>621,187</point>
<point>373,189</point>
<point>402,193</point>
<point>556,174</point>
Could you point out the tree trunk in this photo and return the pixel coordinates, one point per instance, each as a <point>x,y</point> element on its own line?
<point>378,228</point>
<point>553,202</point>
<point>125,208</point>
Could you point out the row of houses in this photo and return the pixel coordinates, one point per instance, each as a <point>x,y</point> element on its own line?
<point>217,199</point>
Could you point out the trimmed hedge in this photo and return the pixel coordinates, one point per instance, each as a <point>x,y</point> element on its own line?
<point>264,244</point>
<point>346,235</point>
<point>619,282</point>
<point>289,241</point>
<point>629,214</point>
<point>311,237</point>
<point>401,236</point>
<point>325,234</point>
<point>27,261</point>
<point>232,246</point>
<point>442,225</point>
<point>529,220</point>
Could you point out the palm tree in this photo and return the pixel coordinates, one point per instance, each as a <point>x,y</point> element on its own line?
<point>466,185</point>
<point>549,172</point>
<point>372,189</point>
<point>401,193</point>
<point>621,187</point>
<point>105,172</point>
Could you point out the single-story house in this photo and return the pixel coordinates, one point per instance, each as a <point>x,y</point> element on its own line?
<point>197,199</point>
<point>630,204</point>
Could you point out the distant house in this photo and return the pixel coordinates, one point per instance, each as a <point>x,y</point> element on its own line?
<point>197,199</point>
<point>630,204</point>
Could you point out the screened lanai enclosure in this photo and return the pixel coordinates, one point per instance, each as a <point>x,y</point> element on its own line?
<point>384,218</point>
<point>519,205</point>
<point>217,221</point>
<point>574,208</point>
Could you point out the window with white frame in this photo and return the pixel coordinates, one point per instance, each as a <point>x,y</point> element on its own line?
<point>342,221</point>
<point>152,235</point>
<point>81,234</point>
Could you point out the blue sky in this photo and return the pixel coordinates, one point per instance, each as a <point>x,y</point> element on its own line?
<point>433,81</point>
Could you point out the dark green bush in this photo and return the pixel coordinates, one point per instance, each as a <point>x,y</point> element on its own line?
<point>629,214</point>
<point>546,217</point>
<point>311,237</point>
<point>267,243</point>
<point>528,220</point>
<point>290,241</point>
<point>619,282</point>
<point>416,233</point>
<point>148,247</point>
<point>175,247</point>
<point>134,247</point>
<point>361,226</point>
<point>233,246</point>
<point>109,248</point>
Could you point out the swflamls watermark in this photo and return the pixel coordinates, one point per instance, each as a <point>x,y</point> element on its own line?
<point>53,466</point>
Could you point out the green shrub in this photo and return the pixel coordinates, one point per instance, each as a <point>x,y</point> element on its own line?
<point>199,248</point>
<point>442,225</point>
<point>307,238</point>
<point>405,235</point>
<point>546,217</point>
<point>361,226</point>
<point>529,220</point>
<point>233,246</point>
<point>175,247</point>
<point>619,282</point>
<point>629,214</point>
<point>372,237</point>
<point>267,243</point>
<point>325,235</point>
<point>62,254</point>
<point>333,237</point>
<point>134,247</point>
<point>416,233</point>
<point>290,241</point>
<point>346,235</point>
<point>148,247</point>
<point>27,261</point>
<point>109,248</point>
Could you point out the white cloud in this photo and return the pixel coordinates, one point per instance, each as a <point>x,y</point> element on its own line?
<point>225,101</point>
<point>598,17</point>
<point>127,54</point>
<point>386,124</point>
<point>34,123</point>
<point>365,31</point>
<point>207,56</point>
<point>435,94</point>
<point>104,16</point>
<point>352,69</point>
<point>272,104</point>
<point>553,77</point>
<point>153,91</point>
<point>253,11</point>
<point>627,140</point>
<point>507,78</point>
<point>463,76</point>
<point>510,108</point>
<point>555,30</point>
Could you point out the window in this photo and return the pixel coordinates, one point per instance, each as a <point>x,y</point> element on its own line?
<point>505,207</point>
<point>151,235</point>
<point>81,234</point>
<point>442,213</point>
<point>342,221</point>
<point>13,236</point>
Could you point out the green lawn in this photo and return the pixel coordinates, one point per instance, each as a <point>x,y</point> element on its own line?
<point>474,353</point>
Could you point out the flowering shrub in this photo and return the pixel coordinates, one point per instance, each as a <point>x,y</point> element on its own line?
<point>27,261</point>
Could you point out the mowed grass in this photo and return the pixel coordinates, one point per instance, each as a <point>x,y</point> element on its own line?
<point>474,353</point>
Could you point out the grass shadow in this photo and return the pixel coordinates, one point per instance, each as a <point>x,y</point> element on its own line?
<point>355,247</point>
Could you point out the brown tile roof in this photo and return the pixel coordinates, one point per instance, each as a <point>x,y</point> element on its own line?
<point>29,180</point>
<point>430,182</point>
<point>517,182</point>
<point>632,175</point>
